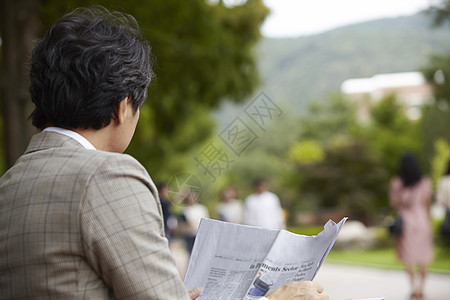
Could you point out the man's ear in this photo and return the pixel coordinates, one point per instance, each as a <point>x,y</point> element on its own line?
<point>122,110</point>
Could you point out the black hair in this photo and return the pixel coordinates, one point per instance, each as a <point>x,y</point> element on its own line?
<point>258,181</point>
<point>409,170</point>
<point>86,64</point>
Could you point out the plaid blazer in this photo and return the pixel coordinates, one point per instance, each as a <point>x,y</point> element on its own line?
<point>82,224</point>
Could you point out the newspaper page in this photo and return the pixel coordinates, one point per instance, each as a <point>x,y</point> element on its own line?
<point>236,262</point>
<point>380,298</point>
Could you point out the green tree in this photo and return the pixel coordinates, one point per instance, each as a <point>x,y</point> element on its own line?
<point>351,179</point>
<point>18,29</point>
<point>358,160</point>
<point>328,121</point>
<point>265,157</point>
<point>438,70</point>
<point>440,160</point>
<point>438,75</point>
<point>391,133</point>
<point>204,54</point>
<point>435,126</point>
<point>307,152</point>
<point>440,12</point>
<point>436,117</point>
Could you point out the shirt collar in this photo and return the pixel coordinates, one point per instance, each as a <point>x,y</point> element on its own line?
<point>70,133</point>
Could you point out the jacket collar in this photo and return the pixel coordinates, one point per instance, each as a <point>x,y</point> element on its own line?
<point>47,140</point>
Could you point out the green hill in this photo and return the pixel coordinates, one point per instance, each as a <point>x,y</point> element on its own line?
<point>303,69</point>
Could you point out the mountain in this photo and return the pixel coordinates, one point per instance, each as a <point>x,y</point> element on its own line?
<point>296,71</point>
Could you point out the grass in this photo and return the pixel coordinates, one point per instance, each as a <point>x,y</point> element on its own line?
<point>386,258</point>
<point>381,258</point>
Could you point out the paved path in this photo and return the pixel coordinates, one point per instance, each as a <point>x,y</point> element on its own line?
<point>347,282</point>
<point>352,282</point>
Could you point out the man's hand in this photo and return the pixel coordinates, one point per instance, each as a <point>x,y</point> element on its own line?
<point>301,290</point>
<point>194,293</point>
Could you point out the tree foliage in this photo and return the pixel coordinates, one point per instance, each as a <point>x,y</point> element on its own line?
<point>329,120</point>
<point>391,133</point>
<point>440,160</point>
<point>351,178</point>
<point>436,117</point>
<point>18,28</point>
<point>337,163</point>
<point>206,58</point>
<point>204,54</point>
<point>356,160</point>
<point>440,12</point>
<point>437,73</point>
<point>306,152</point>
<point>434,126</point>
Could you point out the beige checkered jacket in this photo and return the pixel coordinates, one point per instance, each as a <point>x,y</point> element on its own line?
<point>82,224</point>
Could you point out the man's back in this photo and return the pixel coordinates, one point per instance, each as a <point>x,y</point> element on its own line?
<point>71,220</point>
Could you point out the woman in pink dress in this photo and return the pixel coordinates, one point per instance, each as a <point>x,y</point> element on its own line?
<point>410,195</point>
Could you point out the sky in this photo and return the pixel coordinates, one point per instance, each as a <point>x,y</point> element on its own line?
<point>291,18</point>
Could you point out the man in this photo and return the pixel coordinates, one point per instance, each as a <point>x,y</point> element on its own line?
<point>75,222</point>
<point>263,208</point>
<point>78,219</point>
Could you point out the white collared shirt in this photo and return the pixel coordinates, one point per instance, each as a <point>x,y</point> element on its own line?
<point>79,138</point>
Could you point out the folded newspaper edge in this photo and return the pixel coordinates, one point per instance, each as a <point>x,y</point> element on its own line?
<point>232,261</point>
<point>379,298</point>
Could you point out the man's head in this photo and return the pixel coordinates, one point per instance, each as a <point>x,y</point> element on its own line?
<point>87,63</point>
<point>259,185</point>
<point>163,189</point>
<point>229,193</point>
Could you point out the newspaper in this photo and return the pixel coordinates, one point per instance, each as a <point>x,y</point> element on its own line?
<point>380,298</point>
<point>236,262</point>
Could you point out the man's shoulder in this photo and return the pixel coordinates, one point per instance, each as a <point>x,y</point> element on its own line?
<point>251,197</point>
<point>65,157</point>
<point>97,161</point>
<point>271,196</point>
<point>253,200</point>
<point>121,162</point>
<point>111,157</point>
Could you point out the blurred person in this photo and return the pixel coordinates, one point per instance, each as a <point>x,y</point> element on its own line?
<point>263,208</point>
<point>230,209</point>
<point>168,218</point>
<point>192,214</point>
<point>443,198</point>
<point>410,195</point>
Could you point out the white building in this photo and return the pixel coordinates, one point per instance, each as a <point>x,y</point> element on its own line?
<point>410,88</point>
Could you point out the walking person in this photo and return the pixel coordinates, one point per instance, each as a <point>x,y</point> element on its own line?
<point>166,205</point>
<point>410,195</point>
<point>230,209</point>
<point>192,214</point>
<point>263,208</point>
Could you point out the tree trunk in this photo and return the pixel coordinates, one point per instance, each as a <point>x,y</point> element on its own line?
<point>18,28</point>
